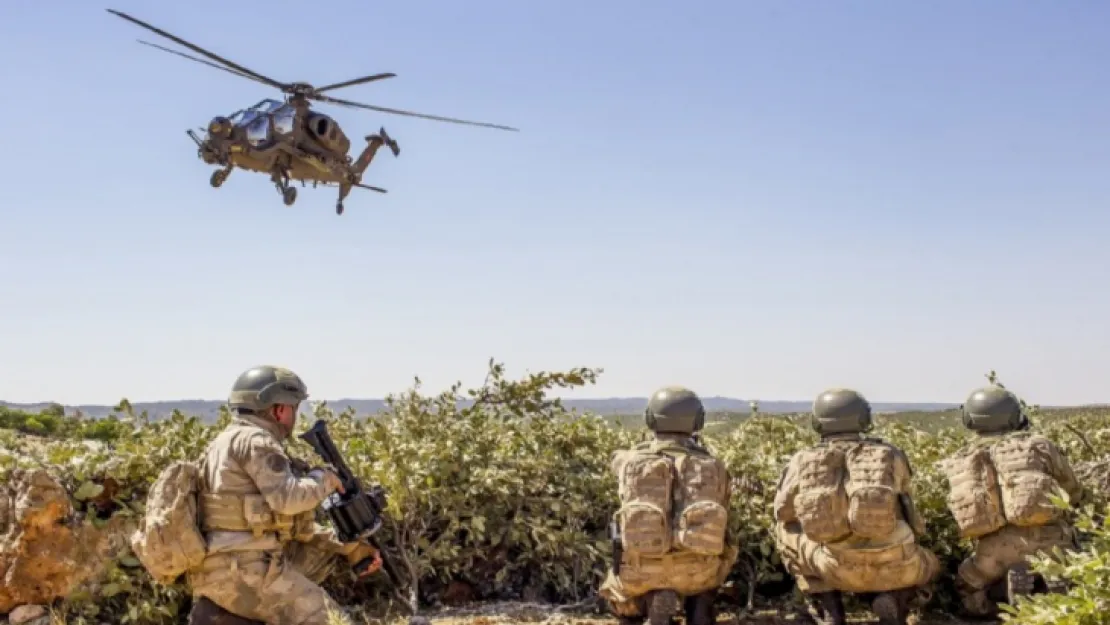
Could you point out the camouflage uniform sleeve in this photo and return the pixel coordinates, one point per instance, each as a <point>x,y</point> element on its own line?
<point>1062,471</point>
<point>903,476</point>
<point>324,539</point>
<point>785,491</point>
<point>731,537</point>
<point>266,463</point>
<point>616,463</point>
<point>903,473</point>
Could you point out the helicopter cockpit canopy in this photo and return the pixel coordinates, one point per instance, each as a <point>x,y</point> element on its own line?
<point>246,116</point>
<point>265,119</point>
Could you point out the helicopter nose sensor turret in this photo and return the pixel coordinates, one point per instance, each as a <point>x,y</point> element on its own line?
<point>219,127</point>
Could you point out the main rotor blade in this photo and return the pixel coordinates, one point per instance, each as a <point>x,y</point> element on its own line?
<point>199,50</point>
<point>356,81</point>
<point>382,109</point>
<point>193,58</point>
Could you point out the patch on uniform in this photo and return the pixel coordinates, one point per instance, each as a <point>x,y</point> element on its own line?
<point>277,463</point>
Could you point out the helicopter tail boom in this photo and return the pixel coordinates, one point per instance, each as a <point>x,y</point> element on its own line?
<point>373,144</point>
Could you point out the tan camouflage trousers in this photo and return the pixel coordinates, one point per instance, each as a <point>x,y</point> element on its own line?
<point>817,568</point>
<point>279,588</point>
<point>686,573</point>
<point>996,553</point>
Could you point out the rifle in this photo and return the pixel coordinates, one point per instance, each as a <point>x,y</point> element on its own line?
<point>356,513</point>
<point>618,545</point>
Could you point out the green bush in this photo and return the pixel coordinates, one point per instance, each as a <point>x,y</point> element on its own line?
<point>503,489</point>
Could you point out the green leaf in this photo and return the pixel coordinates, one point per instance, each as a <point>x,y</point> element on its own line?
<point>88,490</point>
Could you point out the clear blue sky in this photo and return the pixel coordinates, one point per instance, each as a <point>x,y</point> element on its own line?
<point>755,199</point>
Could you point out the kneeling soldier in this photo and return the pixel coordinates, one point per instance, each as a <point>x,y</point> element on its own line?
<point>999,488</point>
<point>844,519</point>
<point>672,527</point>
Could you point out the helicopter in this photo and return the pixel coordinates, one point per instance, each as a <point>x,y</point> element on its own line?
<point>286,138</point>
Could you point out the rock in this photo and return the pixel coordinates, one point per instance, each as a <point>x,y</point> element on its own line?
<point>458,593</point>
<point>26,613</point>
<point>46,552</point>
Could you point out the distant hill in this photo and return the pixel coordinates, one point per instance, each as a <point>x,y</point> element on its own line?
<point>209,409</point>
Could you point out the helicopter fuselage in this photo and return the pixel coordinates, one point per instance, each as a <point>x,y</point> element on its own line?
<point>304,144</point>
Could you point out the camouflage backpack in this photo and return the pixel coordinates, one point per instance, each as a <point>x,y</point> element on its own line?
<point>169,541</point>
<point>672,498</point>
<point>974,496</point>
<point>847,488</point>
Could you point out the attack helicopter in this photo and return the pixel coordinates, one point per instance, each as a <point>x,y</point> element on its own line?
<point>286,138</point>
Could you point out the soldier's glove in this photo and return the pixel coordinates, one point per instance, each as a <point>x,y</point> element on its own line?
<point>327,476</point>
<point>362,553</point>
<point>300,467</point>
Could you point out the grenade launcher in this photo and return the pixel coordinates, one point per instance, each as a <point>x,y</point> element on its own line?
<point>356,513</point>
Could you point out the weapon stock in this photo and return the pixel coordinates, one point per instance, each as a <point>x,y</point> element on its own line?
<point>356,513</point>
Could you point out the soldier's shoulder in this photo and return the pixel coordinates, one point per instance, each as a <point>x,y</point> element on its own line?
<point>879,442</point>
<point>243,439</point>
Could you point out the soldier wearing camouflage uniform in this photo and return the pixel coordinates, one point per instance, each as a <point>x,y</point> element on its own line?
<point>266,556</point>
<point>999,488</point>
<point>844,519</point>
<point>675,543</point>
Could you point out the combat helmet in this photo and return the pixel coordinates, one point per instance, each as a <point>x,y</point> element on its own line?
<point>993,409</point>
<point>674,410</point>
<point>841,411</point>
<point>258,388</point>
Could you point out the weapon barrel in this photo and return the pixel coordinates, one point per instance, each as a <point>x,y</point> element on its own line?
<point>317,436</point>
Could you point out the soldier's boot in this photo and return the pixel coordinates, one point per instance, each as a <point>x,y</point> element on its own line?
<point>700,609</point>
<point>979,603</point>
<point>1019,581</point>
<point>663,606</point>
<point>893,608</point>
<point>826,608</point>
<point>629,612</point>
<point>205,612</point>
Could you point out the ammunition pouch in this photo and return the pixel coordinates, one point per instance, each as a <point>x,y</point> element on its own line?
<point>251,513</point>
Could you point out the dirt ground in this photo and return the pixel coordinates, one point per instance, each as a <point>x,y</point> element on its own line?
<point>507,614</point>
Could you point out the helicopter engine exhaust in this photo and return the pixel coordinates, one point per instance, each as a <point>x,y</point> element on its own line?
<point>328,133</point>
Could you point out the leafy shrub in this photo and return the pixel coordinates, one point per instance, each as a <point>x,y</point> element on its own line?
<point>505,490</point>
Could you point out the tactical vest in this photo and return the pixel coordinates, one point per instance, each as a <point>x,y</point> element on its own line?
<point>223,512</point>
<point>997,482</point>
<point>673,498</point>
<point>246,511</point>
<point>846,488</point>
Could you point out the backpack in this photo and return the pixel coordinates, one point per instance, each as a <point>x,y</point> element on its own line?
<point>1025,481</point>
<point>873,505</point>
<point>847,488</point>
<point>821,504</point>
<point>974,496</point>
<point>169,541</point>
<point>653,485</point>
